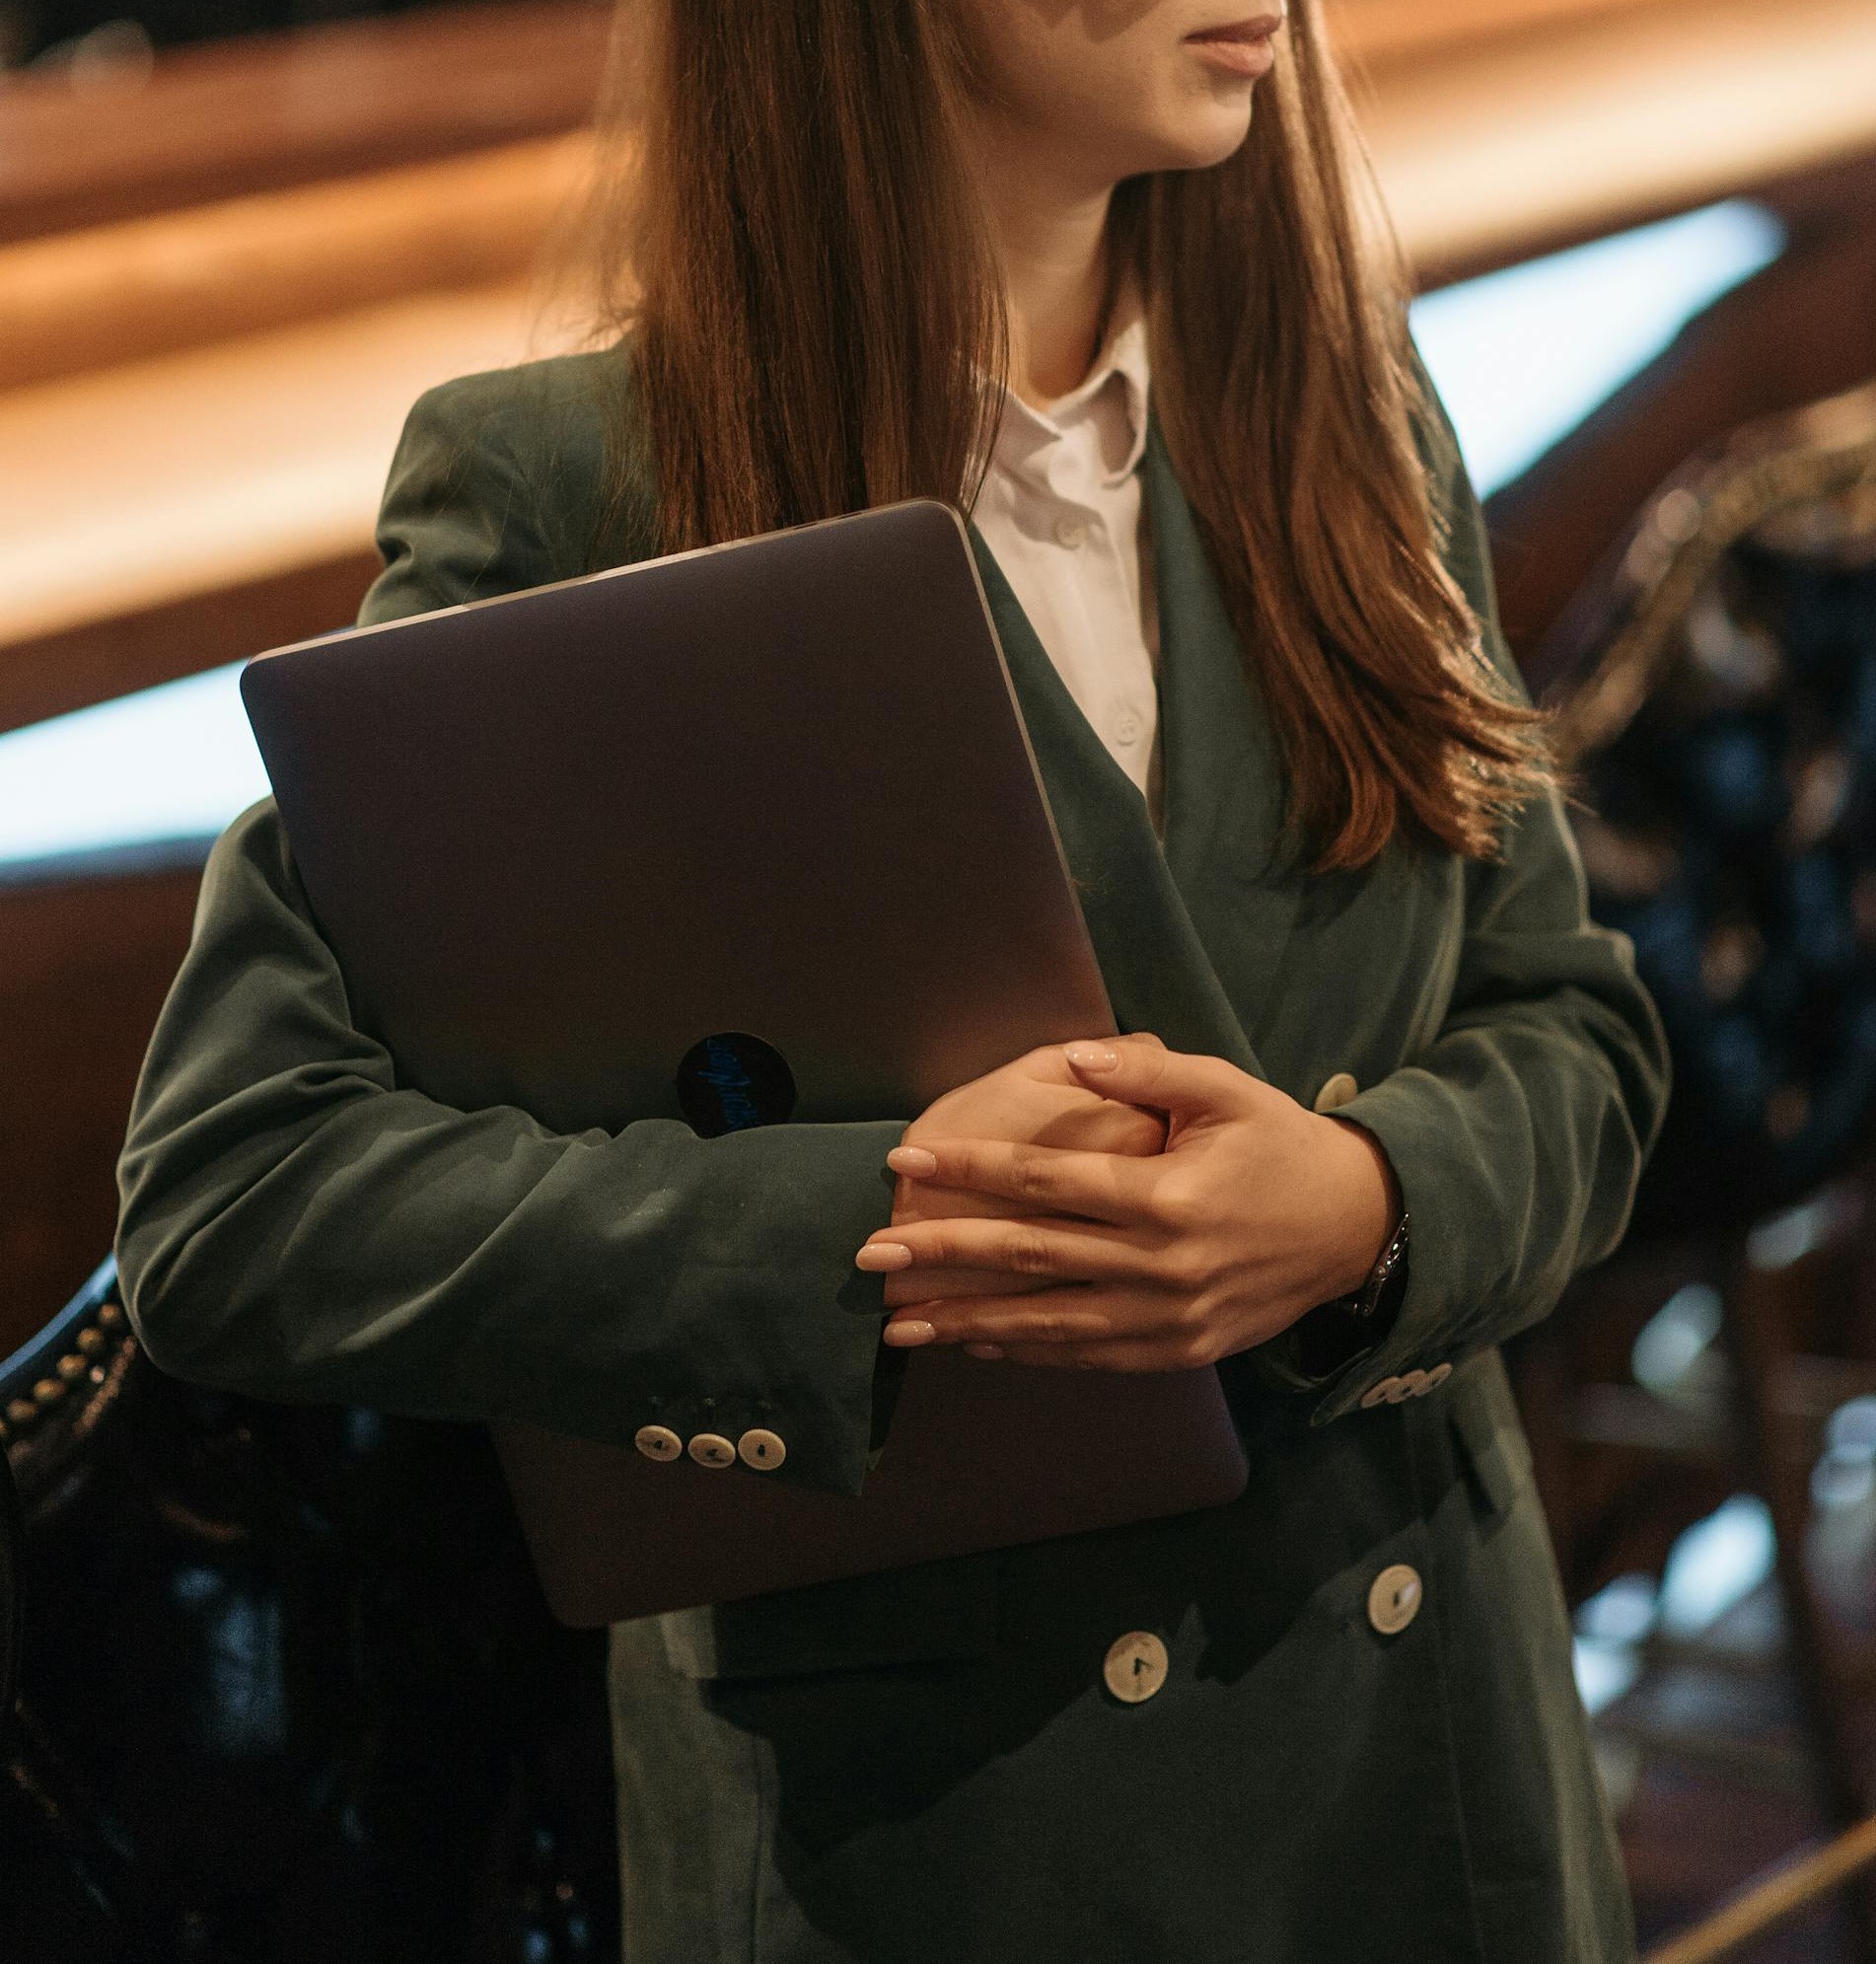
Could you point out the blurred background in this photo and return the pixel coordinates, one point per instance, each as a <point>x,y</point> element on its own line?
<point>266,1711</point>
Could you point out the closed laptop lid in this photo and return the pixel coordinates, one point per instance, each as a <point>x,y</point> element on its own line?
<point>743,834</point>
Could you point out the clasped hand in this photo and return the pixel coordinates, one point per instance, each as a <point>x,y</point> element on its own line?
<point>1046,1213</point>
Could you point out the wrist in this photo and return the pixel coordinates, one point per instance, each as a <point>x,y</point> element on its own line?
<point>1371,1206</point>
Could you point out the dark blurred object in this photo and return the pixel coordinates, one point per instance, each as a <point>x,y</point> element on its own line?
<point>289,1693</point>
<point>1719,706</point>
<point>1725,733</point>
<point>9,1596</point>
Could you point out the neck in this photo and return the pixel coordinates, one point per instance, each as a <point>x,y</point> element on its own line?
<point>1051,247</point>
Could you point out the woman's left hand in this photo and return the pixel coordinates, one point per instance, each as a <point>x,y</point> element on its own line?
<point>1256,1210</point>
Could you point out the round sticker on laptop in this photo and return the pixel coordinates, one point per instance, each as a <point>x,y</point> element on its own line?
<point>731,1081</point>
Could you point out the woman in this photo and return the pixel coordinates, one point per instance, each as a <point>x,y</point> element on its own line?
<point>1323,863</point>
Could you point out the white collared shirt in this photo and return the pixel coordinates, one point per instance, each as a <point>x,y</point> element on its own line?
<point>1061,510</point>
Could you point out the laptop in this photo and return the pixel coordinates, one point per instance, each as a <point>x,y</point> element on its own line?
<point>640,844</point>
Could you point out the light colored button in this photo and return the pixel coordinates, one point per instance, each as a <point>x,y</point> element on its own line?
<point>1437,1376</point>
<point>1128,730</point>
<point>713,1449</point>
<point>658,1443</point>
<point>1380,1394</point>
<point>1136,1668</point>
<point>1414,1384</point>
<point>1395,1599</point>
<point>1336,1091</point>
<point>1399,1390</point>
<point>762,1449</point>
<point>1071,532</point>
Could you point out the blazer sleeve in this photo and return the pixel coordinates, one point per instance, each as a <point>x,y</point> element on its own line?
<point>1518,1135</point>
<point>296,1225</point>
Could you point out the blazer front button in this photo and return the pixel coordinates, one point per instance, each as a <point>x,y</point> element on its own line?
<point>1135,1666</point>
<point>658,1443</point>
<point>1394,1601</point>
<point>713,1449</point>
<point>762,1449</point>
<point>1338,1091</point>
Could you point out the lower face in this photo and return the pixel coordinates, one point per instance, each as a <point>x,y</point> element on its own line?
<point>1110,89</point>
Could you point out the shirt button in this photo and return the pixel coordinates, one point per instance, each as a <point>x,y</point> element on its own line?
<point>713,1449</point>
<point>1071,532</point>
<point>1128,730</point>
<point>1335,1092</point>
<point>658,1443</point>
<point>762,1449</point>
<point>1135,1666</point>
<point>1395,1599</point>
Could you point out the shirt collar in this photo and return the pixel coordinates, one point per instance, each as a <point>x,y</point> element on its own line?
<point>1122,354</point>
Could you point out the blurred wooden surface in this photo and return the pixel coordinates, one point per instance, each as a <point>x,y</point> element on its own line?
<point>208,400</point>
<point>264,111</point>
<point>1495,148</point>
<point>152,484</point>
<point>126,292</point>
<point>84,971</point>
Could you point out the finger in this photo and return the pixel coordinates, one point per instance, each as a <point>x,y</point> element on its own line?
<point>1085,1313</point>
<point>1118,1355</point>
<point>1043,1178</point>
<point>916,1199</point>
<point>1062,1249</point>
<point>1176,1081</point>
<point>911,1287</point>
<point>1066,1316</point>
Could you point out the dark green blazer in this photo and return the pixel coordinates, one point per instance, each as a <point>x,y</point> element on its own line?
<point>926,1765</point>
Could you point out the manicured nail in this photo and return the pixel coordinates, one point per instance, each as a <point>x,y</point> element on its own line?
<point>989,1353</point>
<point>1093,1056</point>
<point>879,1256</point>
<point>912,1160</point>
<point>903,1336</point>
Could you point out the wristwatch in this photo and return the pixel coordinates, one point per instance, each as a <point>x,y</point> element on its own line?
<point>1378,1300</point>
<point>1337,1332</point>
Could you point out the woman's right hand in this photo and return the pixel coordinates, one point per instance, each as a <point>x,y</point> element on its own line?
<point>1036,1099</point>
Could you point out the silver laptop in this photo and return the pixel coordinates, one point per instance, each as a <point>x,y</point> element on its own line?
<point>746,835</point>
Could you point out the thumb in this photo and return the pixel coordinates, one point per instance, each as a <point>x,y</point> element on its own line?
<point>1134,1072</point>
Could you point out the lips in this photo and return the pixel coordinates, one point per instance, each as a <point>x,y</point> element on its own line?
<point>1241,49</point>
<point>1240,33</point>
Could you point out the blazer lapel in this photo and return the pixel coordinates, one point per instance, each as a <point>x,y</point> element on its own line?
<point>1158,974</point>
<point>1190,935</point>
<point>1224,773</point>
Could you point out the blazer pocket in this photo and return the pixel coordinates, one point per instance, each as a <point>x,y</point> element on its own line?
<point>927,1613</point>
<point>1489,1436</point>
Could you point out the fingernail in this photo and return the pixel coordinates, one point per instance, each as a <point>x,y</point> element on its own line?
<point>989,1353</point>
<point>1093,1056</point>
<point>903,1336</point>
<point>878,1255</point>
<point>912,1160</point>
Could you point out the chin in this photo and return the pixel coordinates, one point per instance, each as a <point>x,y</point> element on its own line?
<point>1198,148</point>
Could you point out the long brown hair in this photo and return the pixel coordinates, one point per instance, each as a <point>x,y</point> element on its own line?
<point>786,231</point>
